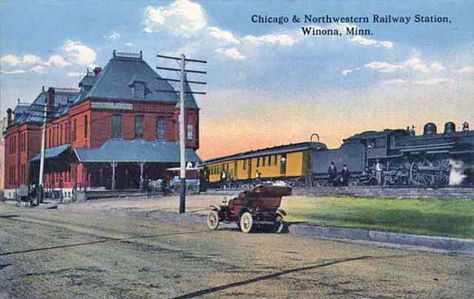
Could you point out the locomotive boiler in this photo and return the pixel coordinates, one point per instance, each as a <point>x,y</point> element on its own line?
<point>430,159</point>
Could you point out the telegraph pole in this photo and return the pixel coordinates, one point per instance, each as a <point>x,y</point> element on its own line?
<point>182,110</point>
<point>182,139</point>
<point>43,146</point>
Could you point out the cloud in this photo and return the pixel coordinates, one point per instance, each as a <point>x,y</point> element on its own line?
<point>31,59</point>
<point>74,74</point>
<point>394,81</point>
<point>425,82</point>
<point>58,61</point>
<point>114,35</point>
<point>414,63</point>
<point>346,72</point>
<point>79,53</point>
<point>129,44</point>
<point>437,66</point>
<point>466,70</point>
<point>371,42</point>
<point>231,53</point>
<point>274,39</point>
<point>10,59</point>
<point>13,72</point>
<point>182,17</point>
<point>384,67</point>
<point>38,69</point>
<point>223,35</point>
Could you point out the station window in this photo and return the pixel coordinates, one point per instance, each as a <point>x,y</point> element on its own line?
<point>116,126</point>
<point>139,126</point>
<point>74,129</point>
<point>263,160</point>
<point>245,164</point>
<point>190,132</point>
<point>160,128</point>
<point>86,125</point>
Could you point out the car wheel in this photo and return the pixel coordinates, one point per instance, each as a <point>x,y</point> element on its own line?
<point>213,220</point>
<point>246,222</point>
<point>279,225</point>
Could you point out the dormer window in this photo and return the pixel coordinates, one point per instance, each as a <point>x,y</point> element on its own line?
<point>138,89</point>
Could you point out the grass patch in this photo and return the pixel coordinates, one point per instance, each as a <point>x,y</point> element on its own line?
<point>452,218</point>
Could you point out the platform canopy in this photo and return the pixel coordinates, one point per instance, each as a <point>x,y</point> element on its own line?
<point>52,153</point>
<point>137,150</point>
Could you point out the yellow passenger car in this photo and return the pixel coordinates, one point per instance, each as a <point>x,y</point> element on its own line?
<point>290,162</point>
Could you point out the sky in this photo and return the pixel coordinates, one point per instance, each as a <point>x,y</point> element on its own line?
<point>268,84</point>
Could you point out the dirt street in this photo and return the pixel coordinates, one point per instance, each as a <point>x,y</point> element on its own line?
<point>101,250</point>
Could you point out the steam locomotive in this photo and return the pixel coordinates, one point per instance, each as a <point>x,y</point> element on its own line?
<point>431,159</point>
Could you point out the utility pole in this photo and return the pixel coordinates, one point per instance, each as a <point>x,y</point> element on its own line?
<point>182,140</point>
<point>43,146</point>
<point>182,110</point>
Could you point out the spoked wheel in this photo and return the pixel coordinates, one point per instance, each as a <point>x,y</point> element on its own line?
<point>246,222</point>
<point>279,225</point>
<point>213,220</point>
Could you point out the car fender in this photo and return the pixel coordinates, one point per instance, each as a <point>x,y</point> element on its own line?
<point>281,211</point>
<point>216,208</point>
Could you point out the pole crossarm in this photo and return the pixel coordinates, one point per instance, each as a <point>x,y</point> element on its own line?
<point>185,81</point>
<point>177,91</point>
<point>179,58</point>
<point>178,70</point>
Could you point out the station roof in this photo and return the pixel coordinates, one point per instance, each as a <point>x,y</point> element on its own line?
<point>136,150</point>
<point>63,98</point>
<point>281,149</point>
<point>53,152</point>
<point>115,81</point>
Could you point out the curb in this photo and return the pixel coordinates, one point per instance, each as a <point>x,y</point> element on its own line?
<point>432,242</point>
<point>388,239</point>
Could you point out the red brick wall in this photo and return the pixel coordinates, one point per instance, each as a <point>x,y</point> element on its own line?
<point>99,130</point>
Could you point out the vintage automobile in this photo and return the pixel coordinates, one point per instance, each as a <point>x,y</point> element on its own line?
<point>252,209</point>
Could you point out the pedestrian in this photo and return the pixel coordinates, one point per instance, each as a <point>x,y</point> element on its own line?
<point>257,177</point>
<point>332,172</point>
<point>379,172</point>
<point>223,179</point>
<point>61,186</point>
<point>345,175</point>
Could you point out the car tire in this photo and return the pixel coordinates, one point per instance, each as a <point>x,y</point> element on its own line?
<point>213,220</point>
<point>279,225</point>
<point>246,222</point>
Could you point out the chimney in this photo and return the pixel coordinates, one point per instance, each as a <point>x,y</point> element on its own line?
<point>9,116</point>
<point>97,70</point>
<point>50,102</point>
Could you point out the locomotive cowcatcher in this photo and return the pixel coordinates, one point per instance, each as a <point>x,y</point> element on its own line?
<point>252,209</point>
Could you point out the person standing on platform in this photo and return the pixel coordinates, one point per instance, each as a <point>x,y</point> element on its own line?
<point>332,172</point>
<point>379,172</point>
<point>345,175</point>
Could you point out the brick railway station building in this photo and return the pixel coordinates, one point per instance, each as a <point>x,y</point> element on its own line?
<point>119,128</point>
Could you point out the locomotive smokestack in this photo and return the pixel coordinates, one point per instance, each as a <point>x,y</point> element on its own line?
<point>429,129</point>
<point>449,127</point>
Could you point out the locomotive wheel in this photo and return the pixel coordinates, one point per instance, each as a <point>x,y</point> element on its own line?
<point>418,177</point>
<point>246,222</point>
<point>213,220</point>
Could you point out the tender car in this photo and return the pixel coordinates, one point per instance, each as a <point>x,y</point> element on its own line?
<point>252,209</point>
